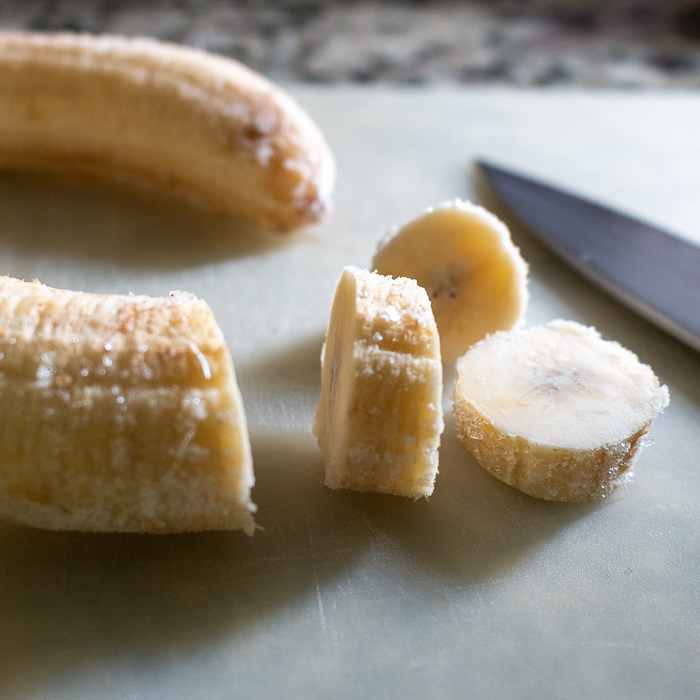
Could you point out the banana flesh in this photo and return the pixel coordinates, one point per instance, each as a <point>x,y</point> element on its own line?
<point>119,413</point>
<point>379,419</point>
<point>465,259</point>
<point>171,117</point>
<point>555,410</point>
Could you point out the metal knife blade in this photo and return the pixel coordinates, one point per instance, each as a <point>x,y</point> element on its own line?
<point>651,271</point>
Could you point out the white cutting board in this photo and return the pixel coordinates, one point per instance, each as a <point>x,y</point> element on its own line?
<point>481,592</point>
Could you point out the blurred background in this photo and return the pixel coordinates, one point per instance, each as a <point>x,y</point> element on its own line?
<point>598,43</point>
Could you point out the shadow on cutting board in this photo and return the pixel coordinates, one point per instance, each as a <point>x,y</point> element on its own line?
<point>80,219</point>
<point>473,528</point>
<point>294,369</point>
<point>70,602</point>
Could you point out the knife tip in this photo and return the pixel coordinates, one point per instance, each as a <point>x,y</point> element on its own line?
<point>489,170</point>
<point>484,164</point>
<point>481,172</point>
<point>484,171</point>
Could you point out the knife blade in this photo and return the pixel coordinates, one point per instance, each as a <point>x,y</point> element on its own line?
<point>649,270</point>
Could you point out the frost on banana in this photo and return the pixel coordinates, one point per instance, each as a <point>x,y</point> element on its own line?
<point>379,419</point>
<point>174,118</point>
<point>555,410</point>
<point>119,413</point>
<point>465,259</point>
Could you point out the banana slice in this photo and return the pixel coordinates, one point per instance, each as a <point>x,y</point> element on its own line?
<point>465,259</point>
<point>379,419</point>
<point>163,115</point>
<point>119,413</point>
<point>555,411</point>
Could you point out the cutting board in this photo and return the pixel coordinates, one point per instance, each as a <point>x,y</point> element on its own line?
<point>479,591</point>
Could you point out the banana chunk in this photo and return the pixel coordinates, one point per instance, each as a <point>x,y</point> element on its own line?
<point>168,116</point>
<point>555,410</point>
<point>379,419</point>
<point>119,413</point>
<point>465,259</point>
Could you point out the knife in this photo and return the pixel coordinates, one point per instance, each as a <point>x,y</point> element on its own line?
<point>649,270</point>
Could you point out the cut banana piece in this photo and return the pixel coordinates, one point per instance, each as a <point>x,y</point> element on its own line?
<point>465,259</point>
<point>379,419</point>
<point>119,413</point>
<point>172,117</point>
<point>555,411</point>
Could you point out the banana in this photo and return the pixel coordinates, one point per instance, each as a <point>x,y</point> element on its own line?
<point>465,259</point>
<point>119,413</point>
<point>379,419</point>
<point>171,117</point>
<point>555,411</point>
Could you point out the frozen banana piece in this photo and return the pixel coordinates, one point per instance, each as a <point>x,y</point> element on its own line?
<point>171,117</point>
<point>555,410</point>
<point>119,413</point>
<point>379,419</point>
<point>465,259</point>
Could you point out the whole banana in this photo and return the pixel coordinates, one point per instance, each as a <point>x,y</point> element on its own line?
<point>171,117</point>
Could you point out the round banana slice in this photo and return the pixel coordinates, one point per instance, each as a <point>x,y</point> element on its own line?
<point>555,410</point>
<point>167,116</point>
<point>379,419</point>
<point>465,259</point>
<point>119,413</point>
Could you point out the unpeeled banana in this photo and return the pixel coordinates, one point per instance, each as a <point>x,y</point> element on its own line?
<point>119,413</point>
<point>555,410</point>
<point>379,419</point>
<point>168,116</point>
<point>465,259</point>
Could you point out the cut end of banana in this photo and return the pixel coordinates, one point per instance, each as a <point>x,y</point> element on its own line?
<point>167,116</point>
<point>119,413</point>
<point>555,411</point>
<point>465,259</point>
<point>379,419</point>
